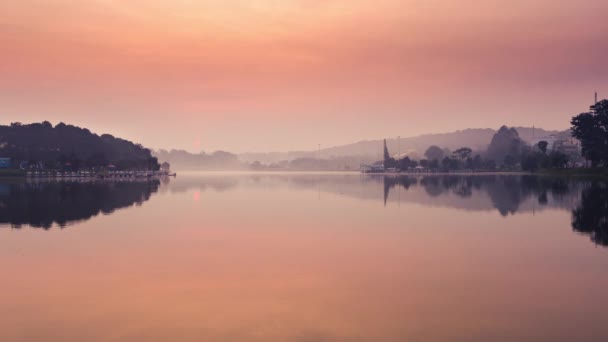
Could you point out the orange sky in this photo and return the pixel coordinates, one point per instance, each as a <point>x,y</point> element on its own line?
<point>289,74</point>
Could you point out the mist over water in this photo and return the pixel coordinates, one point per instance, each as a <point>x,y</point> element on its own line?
<point>305,257</point>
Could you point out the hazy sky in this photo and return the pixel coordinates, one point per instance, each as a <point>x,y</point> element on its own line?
<point>290,74</point>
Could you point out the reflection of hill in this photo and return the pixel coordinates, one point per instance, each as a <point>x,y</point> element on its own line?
<point>44,203</point>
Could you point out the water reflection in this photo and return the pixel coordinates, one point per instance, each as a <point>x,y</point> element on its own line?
<point>588,200</point>
<point>294,257</point>
<point>506,194</point>
<point>591,215</point>
<point>42,204</point>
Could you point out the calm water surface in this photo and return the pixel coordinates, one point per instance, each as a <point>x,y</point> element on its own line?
<point>305,257</point>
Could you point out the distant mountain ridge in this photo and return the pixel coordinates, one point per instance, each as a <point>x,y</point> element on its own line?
<point>475,138</point>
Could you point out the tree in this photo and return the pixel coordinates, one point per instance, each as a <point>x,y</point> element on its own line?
<point>73,162</point>
<point>505,142</point>
<point>388,160</point>
<point>530,161</point>
<point>97,159</point>
<point>462,153</point>
<point>469,163</point>
<point>424,163</point>
<point>591,128</point>
<point>558,159</point>
<point>446,163</point>
<point>542,146</point>
<point>387,155</point>
<point>405,163</point>
<point>509,161</point>
<point>434,153</point>
<point>490,164</point>
<point>153,164</point>
<point>434,164</point>
<point>477,162</point>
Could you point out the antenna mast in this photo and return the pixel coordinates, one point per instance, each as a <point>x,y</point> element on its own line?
<point>596,97</point>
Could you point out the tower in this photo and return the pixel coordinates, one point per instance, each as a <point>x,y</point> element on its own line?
<point>595,98</point>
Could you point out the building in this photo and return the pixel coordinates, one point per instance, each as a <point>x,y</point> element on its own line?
<point>572,148</point>
<point>559,142</point>
<point>551,139</point>
<point>374,168</point>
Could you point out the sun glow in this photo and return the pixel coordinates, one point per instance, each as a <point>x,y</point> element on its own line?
<point>301,63</point>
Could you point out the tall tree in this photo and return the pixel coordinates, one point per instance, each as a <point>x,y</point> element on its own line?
<point>477,162</point>
<point>434,153</point>
<point>591,128</point>
<point>542,146</point>
<point>405,163</point>
<point>462,153</point>
<point>386,154</point>
<point>505,142</point>
<point>388,160</point>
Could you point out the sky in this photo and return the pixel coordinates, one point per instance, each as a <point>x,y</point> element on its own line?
<point>281,75</point>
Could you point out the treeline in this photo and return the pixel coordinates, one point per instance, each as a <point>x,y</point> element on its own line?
<point>67,147</point>
<point>507,151</point>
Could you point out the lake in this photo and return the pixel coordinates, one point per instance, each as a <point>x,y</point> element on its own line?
<point>305,257</point>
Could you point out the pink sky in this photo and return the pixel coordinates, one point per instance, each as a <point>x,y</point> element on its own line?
<point>290,74</point>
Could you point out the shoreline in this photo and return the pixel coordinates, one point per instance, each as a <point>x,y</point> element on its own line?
<point>573,172</point>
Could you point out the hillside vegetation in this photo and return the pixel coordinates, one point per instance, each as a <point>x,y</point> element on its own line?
<point>66,146</point>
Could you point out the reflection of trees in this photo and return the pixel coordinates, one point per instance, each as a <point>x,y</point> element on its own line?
<point>402,181</point>
<point>462,186</point>
<point>42,204</point>
<point>591,216</point>
<point>432,186</point>
<point>506,192</point>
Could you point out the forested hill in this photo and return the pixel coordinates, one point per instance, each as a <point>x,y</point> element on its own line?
<point>53,147</point>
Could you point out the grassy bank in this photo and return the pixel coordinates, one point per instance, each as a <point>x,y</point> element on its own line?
<point>11,173</point>
<point>599,172</point>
